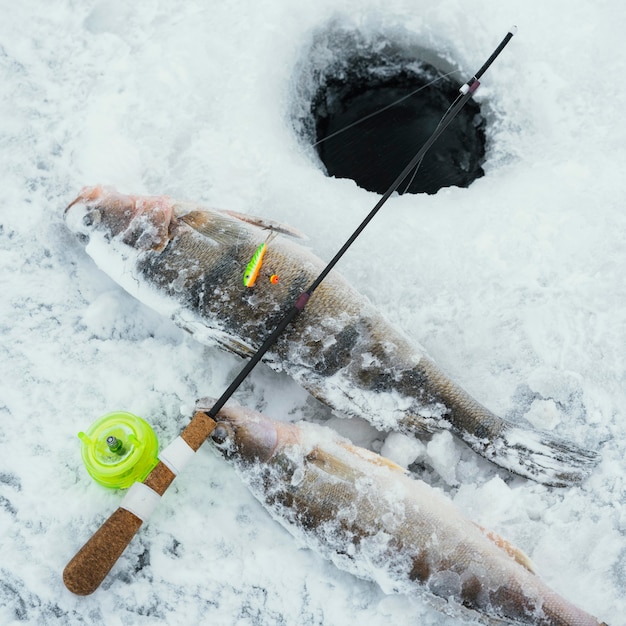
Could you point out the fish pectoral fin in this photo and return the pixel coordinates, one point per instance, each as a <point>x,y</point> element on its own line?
<point>331,464</point>
<point>233,345</point>
<point>267,224</point>
<point>372,457</point>
<point>211,336</point>
<point>510,549</point>
<point>345,469</point>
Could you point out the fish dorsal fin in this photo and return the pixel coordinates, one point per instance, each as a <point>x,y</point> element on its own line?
<point>214,225</point>
<point>510,549</point>
<point>267,224</point>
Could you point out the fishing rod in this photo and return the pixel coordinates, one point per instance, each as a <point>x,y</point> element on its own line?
<point>88,568</point>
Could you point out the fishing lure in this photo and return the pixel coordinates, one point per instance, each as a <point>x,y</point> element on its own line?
<point>254,266</point>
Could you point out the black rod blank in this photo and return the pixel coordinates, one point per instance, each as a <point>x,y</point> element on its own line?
<point>466,93</point>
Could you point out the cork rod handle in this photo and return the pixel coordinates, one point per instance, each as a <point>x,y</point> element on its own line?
<point>89,567</point>
<point>84,573</point>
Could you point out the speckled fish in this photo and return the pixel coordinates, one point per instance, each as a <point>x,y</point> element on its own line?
<point>187,262</point>
<point>370,518</point>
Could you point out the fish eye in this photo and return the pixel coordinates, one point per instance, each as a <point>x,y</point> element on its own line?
<point>93,217</point>
<point>221,433</point>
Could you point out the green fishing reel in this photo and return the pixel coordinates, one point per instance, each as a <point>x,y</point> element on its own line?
<point>119,449</point>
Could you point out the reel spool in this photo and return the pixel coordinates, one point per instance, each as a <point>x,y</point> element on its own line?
<point>119,449</point>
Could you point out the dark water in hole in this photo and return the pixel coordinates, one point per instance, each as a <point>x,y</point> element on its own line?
<point>375,151</point>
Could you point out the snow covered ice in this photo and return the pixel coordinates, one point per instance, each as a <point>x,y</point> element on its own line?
<point>514,285</point>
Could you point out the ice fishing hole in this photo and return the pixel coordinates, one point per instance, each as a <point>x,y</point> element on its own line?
<point>374,105</point>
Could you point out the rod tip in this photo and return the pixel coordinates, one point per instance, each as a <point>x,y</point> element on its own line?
<point>513,30</point>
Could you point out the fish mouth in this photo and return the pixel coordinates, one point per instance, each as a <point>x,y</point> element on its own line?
<point>86,195</point>
<point>80,216</point>
<point>71,204</point>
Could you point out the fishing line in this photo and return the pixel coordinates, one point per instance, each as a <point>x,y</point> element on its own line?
<point>381,110</point>
<point>412,177</point>
<point>419,163</point>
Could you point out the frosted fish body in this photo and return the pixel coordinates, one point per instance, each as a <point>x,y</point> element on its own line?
<point>371,519</point>
<point>187,262</point>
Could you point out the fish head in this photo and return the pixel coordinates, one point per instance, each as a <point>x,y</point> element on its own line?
<point>244,434</point>
<point>142,222</point>
<point>249,436</point>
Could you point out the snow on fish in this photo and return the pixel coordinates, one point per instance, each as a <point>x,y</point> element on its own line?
<point>187,262</point>
<point>370,518</point>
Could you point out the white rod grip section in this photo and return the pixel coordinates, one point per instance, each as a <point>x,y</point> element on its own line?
<point>140,500</point>
<point>177,455</point>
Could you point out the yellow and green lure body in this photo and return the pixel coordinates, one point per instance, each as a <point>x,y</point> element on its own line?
<point>254,267</point>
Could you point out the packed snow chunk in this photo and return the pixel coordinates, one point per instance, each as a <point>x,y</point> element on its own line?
<point>357,430</point>
<point>544,414</point>
<point>110,16</point>
<point>444,456</point>
<point>402,449</point>
<point>504,502</point>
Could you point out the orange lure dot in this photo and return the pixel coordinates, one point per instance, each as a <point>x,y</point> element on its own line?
<point>274,279</point>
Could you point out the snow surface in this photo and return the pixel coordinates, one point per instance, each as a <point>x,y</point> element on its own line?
<point>516,286</point>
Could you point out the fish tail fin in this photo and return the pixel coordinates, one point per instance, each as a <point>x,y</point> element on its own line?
<point>525,451</point>
<point>538,455</point>
<point>522,450</point>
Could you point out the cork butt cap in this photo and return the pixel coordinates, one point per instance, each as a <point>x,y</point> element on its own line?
<point>84,573</point>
